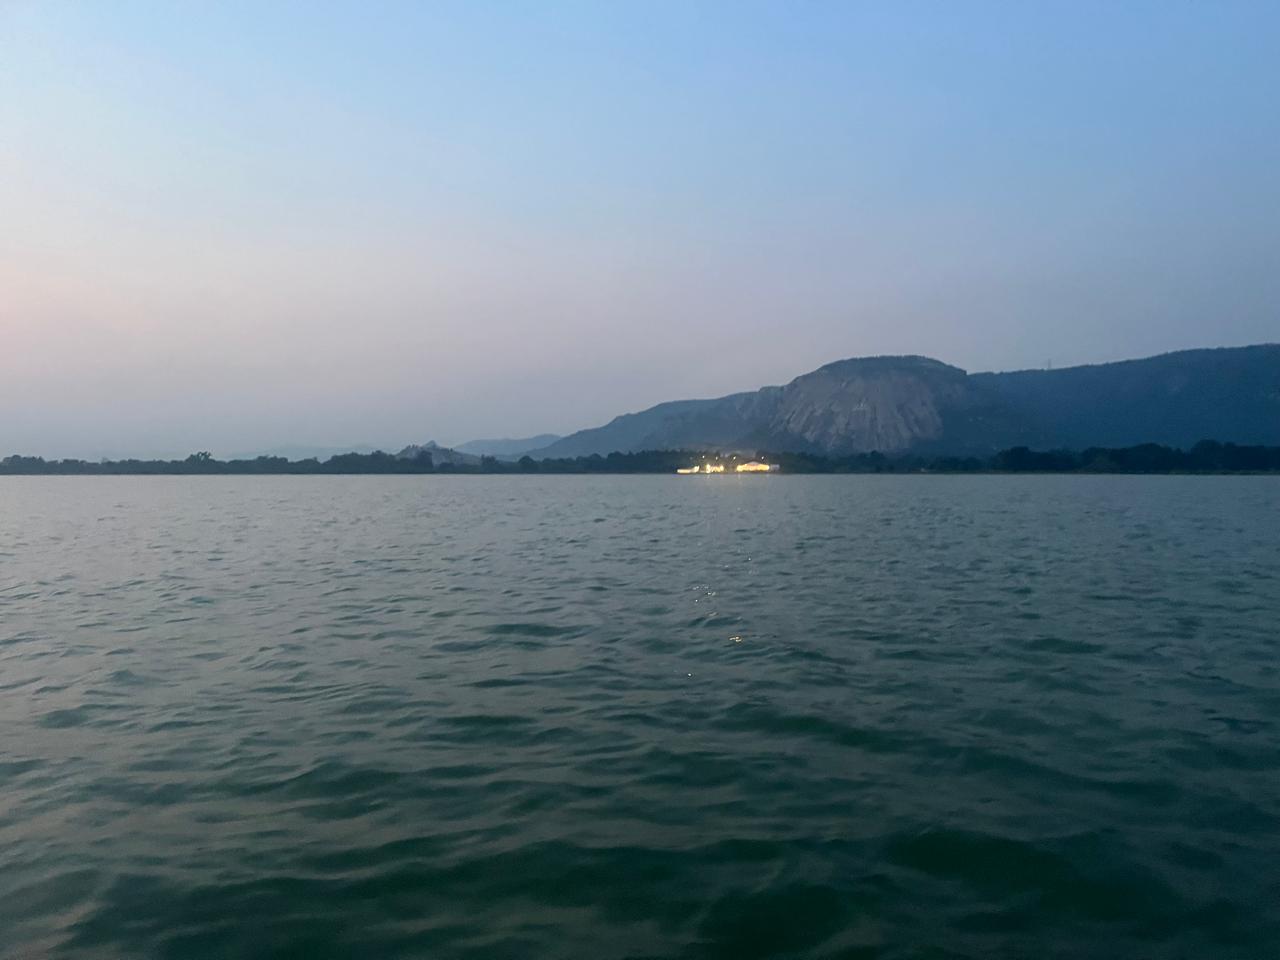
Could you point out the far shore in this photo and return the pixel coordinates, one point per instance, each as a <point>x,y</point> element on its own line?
<point>1205,457</point>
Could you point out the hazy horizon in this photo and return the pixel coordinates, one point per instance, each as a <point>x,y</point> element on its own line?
<point>242,228</point>
<point>295,451</point>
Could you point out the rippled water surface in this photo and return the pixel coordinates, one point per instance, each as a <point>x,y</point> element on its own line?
<point>640,717</point>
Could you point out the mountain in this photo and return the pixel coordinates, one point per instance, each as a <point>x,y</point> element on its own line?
<point>919,405</point>
<point>507,448</point>
<point>1176,399</point>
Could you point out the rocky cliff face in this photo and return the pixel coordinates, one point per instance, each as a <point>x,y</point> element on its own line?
<point>890,404</point>
<point>915,404</point>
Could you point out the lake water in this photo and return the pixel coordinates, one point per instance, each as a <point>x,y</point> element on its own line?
<point>599,717</point>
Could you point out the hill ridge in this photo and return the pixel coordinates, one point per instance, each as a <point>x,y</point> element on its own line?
<point>916,404</point>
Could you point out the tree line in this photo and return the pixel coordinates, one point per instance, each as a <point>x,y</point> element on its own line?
<point>1207,456</point>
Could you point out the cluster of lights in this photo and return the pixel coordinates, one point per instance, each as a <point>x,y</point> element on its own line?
<point>752,466</point>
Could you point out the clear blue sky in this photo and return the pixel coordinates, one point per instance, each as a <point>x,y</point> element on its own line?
<point>234,226</point>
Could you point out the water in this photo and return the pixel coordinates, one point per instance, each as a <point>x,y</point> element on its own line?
<point>639,717</point>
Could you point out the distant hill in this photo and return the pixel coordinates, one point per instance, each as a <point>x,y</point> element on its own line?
<point>507,447</point>
<point>919,405</point>
<point>439,454</point>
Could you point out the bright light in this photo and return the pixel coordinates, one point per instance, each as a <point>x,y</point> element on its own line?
<point>752,466</point>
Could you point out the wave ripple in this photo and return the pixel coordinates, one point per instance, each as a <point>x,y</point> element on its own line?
<point>639,717</point>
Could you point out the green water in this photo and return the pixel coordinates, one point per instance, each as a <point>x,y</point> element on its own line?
<point>568,717</point>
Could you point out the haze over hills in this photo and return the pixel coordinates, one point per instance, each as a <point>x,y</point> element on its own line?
<point>507,447</point>
<point>439,455</point>
<point>294,451</point>
<point>920,405</point>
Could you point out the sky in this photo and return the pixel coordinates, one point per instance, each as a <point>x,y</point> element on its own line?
<point>244,226</point>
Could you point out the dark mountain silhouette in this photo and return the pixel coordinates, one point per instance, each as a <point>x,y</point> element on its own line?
<point>1231,395</point>
<point>919,405</point>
